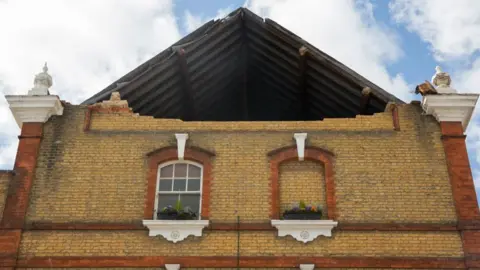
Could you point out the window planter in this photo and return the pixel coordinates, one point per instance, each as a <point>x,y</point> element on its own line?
<point>175,216</point>
<point>304,230</point>
<point>175,230</point>
<point>303,216</point>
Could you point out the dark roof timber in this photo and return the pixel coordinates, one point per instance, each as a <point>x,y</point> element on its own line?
<point>243,67</point>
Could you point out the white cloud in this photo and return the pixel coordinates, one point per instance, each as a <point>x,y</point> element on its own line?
<point>88,44</point>
<point>452,30</point>
<point>345,30</point>
<point>192,22</point>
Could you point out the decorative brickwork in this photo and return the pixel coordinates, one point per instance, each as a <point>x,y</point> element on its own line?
<point>311,153</point>
<point>165,154</point>
<point>302,181</point>
<point>219,262</point>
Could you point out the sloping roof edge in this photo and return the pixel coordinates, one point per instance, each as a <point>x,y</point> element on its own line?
<point>204,30</point>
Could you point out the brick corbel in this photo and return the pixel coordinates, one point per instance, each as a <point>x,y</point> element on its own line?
<point>159,156</point>
<point>277,157</point>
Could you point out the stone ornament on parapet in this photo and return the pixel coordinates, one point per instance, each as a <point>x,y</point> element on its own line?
<point>38,105</point>
<point>441,80</point>
<point>41,83</point>
<point>443,102</point>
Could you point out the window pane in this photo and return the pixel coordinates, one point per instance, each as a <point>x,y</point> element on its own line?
<point>166,171</point>
<point>193,171</point>
<point>165,185</point>
<point>180,170</point>
<point>179,184</point>
<point>192,201</point>
<point>193,184</point>
<point>166,200</point>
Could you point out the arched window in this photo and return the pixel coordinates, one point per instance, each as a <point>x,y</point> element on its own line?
<point>179,180</point>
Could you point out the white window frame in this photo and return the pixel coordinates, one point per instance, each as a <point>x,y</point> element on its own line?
<point>159,193</point>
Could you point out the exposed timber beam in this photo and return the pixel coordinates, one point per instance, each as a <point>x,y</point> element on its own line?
<point>244,57</point>
<point>302,82</point>
<point>188,104</point>
<point>365,99</point>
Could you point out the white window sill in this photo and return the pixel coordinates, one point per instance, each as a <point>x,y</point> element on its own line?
<point>175,230</point>
<point>304,230</point>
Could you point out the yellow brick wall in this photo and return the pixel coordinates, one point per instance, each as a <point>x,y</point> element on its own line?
<point>5,178</point>
<point>343,243</point>
<point>380,175</point>
<point>302,180</point>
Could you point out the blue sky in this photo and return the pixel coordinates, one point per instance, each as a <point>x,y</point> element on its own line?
<point>396,44</point>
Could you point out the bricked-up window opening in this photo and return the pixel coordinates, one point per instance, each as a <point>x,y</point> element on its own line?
<point>179,180</point>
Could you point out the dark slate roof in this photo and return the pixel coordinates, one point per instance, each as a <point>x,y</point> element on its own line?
<point>243,67</point>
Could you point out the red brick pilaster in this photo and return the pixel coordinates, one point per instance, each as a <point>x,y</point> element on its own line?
<point>165,154</point>
<point>311,153</point>
<point>16,202</point>
<point>463,190</point>
<point>24,169</point>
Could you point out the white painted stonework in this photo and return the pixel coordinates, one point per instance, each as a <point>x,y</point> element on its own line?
<point>300,140</point>
<point>36,109</point>
<point>181,142</point>
<point>307,266</point>
<point>38,105</point>
<point>172,266</point>
<point>41,83</point>
<point>450,107</point>
<point>175,230</point>
<point>304,230</point>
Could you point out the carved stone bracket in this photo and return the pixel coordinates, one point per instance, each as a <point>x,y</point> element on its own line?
<point>304,230</point>
<point>175,230</point>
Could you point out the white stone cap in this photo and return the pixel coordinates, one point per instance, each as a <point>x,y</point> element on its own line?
<point>450,107</point>
<point>172,266</point>
<point>36,109</point>
<point>307,266</point>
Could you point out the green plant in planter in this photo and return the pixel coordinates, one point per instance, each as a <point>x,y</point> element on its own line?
<point>176,213</point>
<point>303,211</point>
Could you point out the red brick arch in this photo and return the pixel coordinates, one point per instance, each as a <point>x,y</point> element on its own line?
<point>311,153</point>
<point>169,153</point>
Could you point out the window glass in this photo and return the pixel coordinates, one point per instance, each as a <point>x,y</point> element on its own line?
<point>166,172</point>
<point>193,171</point>
<point>179,185</point>
<point>193,185</point>
<point>165,185</point>
<point>180,170</point>
<point>180,181</point>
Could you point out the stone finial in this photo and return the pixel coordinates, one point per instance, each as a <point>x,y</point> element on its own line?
<point>441,80</point>
<point>41,83</point>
